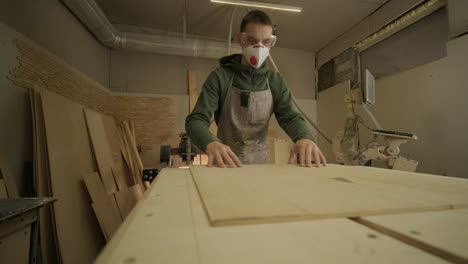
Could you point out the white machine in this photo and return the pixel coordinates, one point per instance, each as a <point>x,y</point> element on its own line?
<point>345,143</point>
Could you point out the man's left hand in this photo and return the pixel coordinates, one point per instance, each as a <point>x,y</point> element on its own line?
<point>306,149</point>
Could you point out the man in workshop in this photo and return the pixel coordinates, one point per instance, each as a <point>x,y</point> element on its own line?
<point>243,93</point>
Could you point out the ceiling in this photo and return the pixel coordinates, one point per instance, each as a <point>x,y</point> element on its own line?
<point>319,23</point>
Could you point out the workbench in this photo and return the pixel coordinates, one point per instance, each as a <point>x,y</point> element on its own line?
<point>18,229</point>
<point>177,222</point>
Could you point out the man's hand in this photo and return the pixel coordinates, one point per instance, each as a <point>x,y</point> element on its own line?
<point>306,149</point>
<point>222,154</point>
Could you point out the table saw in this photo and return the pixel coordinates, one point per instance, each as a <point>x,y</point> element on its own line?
<point>289,214</point>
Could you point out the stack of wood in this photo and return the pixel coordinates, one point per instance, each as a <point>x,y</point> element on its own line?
<point>92,166</point>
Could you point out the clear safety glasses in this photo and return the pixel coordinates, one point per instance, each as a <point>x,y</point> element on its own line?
<point>248,39</point>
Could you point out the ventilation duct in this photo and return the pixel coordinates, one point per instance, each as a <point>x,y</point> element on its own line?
<point>91,15</point>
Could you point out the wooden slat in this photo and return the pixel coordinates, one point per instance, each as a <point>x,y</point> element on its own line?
<point>266,193</point>
<point>104,205</point>
<point>47,228</point>
<point>192,89</point>
<point>70,157</point>
<point>443,233</point>
<point>170,226</point>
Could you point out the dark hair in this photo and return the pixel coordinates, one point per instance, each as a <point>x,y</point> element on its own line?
<point>257,17</point>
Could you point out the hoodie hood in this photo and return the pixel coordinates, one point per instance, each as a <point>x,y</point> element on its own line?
<point>234,63</point>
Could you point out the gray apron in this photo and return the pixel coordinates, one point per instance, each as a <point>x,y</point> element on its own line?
<point>243,123</point>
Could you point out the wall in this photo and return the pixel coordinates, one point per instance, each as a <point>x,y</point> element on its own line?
<point>51,25</point>
<point>430,101</point>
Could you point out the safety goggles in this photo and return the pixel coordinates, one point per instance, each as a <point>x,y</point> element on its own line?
<point>248,39</point>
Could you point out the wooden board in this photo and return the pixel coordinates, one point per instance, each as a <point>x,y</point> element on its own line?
<point>269,193</point>
<point>442,232</point>
<point>103,152</point>
<point>170,226</point>
<point>104,205</point>
<point>47,228</point>
<point>128,198</point>
<point>70,157</point>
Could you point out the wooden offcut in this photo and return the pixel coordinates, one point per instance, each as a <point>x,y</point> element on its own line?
<point>104,205</point>
<point>270,193</point>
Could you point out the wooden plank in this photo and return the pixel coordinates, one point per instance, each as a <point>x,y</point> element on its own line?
<point>192,89</point>
<point>133,151</point>
<point>103,152</point>
<point>48,237</point>
<point>70,157</point>
<point>47,230</point>
<point>269,193</point>
<point>104,205</point>
<point>443,233</point>
<point>128,198</point>
<point>170,226</point>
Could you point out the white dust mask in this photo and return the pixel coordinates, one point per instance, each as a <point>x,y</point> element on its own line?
<point>256,54</point>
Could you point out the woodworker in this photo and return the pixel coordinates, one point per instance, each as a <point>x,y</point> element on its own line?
<point>242,93</point>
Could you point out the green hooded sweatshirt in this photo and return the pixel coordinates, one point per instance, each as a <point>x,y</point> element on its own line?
<point>247,78</point>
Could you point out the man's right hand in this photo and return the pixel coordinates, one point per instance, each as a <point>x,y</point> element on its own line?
<point>222,155</point>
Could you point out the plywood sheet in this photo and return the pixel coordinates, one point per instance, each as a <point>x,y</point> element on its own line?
<point>443,230</point>
<point>103,152</point>
<point>269,193</point>
<point>70,157</point>
<point>47,227</point>
<point>170,226</point>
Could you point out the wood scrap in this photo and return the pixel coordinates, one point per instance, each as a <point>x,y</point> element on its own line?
<point>104,205</point>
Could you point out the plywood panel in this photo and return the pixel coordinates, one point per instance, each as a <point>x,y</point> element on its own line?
<point>70,157</point>
<point>102,152</point>
<point>272,193</point>
<point>47,227</point>
<point>441,231</point>
<point>170,226</point>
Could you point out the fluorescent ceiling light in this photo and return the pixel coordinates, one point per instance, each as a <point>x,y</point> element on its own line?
<point>259,4</point>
